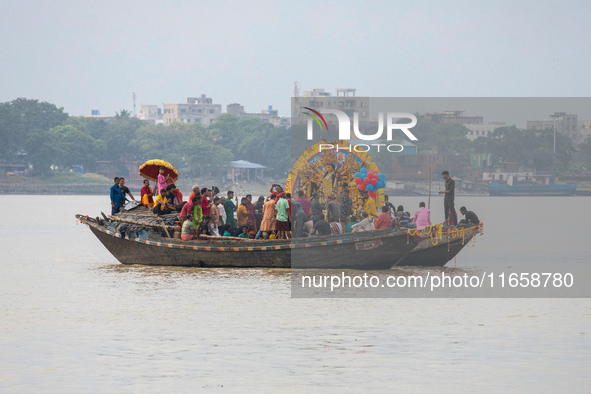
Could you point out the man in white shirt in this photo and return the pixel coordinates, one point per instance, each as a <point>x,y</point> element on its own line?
<point>365,225</point>
<point>223,214</point>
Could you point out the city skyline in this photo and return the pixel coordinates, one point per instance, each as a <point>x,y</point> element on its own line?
<point>84,57</point>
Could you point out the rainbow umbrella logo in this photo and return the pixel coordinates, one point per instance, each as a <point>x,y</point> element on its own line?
<point>313,116</point>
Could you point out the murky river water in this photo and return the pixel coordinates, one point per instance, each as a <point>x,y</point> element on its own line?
<point>74,319</point>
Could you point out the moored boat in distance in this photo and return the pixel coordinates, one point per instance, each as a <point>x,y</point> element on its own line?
<point>497,189</point>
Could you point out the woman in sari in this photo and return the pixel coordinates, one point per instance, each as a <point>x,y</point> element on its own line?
<point>268,225</point>
<point>147,194</point>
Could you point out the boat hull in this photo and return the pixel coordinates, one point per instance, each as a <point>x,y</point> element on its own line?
<point>426,254</point>
<point>375,250</point>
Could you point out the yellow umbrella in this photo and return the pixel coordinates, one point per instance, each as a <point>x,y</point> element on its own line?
<point>149,170</point>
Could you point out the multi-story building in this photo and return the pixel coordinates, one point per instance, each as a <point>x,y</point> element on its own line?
<point>453,117</point>
<point>196,110</point>
<point>150,114</point>
<point>482,130</point>
<point>563,123</point>
<point>268,115</point>
<point>345,101</point>
<point>585,129</point>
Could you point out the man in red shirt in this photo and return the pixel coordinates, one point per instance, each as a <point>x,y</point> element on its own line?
<point>196,191</point>
<point>384,220</point>
<point>179,195</point>
<point>205,203</point>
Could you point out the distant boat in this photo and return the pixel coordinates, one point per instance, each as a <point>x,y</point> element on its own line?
<point>497,189</point>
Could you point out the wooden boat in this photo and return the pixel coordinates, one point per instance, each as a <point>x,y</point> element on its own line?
<point>440,247</point>
<point>139,244</point>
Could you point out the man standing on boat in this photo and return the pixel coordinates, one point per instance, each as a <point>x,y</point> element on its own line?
<point>230,208</point>
<point>369,205</point>
<point>282,215</point>
<point>304,202</point>
<point>334,209</point>
<point>116,197</point>
<point>316,208</point>
<point>448,200</point>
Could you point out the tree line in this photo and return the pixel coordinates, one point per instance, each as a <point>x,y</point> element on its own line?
<point>53,139</point>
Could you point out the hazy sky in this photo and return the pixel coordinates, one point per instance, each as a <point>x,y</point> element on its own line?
<point>84,55</point>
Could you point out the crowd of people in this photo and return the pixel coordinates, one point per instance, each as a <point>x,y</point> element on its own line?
<point>279,216</point>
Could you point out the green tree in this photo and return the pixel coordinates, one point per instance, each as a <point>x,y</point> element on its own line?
<point>122,114</point>
<point>118,135</point>
<point>21,118</point>
<point>43,148</point>
<point>76,147</point>
<point>449,137</point>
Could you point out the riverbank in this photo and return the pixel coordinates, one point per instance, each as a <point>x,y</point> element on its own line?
<point>58,183</point>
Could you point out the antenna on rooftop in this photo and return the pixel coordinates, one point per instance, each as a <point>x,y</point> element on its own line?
<point>134,97</point>
<point>296,89</point>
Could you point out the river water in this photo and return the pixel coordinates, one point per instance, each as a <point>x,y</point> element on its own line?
<point>74,319</point>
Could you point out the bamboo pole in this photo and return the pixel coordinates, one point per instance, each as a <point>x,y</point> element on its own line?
<point>429,203</point>
<point>145,224</point>
<point>221,238</point>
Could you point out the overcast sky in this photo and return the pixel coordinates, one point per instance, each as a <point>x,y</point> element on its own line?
<point>84,55</point>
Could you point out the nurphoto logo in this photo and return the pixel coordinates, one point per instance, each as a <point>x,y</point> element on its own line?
<point>344,125</point>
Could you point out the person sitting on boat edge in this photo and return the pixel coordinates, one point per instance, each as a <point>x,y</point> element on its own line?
<point>364,225</point>
<point>350,224</point>
<point>403,218</point>
<point>170,197</point>
<point>244,233</point>
<point>308,226</point>
<point>227,230</point>
<point>212,227</point>
<point>116,196</point>
<point>178,194</point>
<point>422,217</point>
<point>322,227</point>
<point>391,207</point>
<point>178,201</point>
<point>160,204</point>
<point>470,220</point>
<point>384,220</point>
<point>187,230</point>
<point>146,195</point>
<point>204,225</point>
